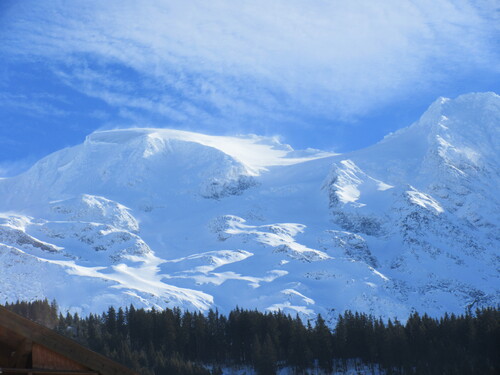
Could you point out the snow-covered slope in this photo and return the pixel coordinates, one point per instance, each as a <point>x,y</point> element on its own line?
<point>160,217</point>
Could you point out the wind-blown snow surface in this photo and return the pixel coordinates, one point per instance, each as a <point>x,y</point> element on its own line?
<point>160,218</point>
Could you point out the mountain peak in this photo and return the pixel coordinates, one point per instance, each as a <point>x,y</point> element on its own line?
<point>164,217</point>
<point>256,153</point>
<point>477,109</point>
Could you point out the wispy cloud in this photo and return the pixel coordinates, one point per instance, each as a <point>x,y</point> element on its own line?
<point>34,104</point>
<point>279,60</point>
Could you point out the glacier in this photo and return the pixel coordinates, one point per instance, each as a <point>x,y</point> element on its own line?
<point>164,218</point>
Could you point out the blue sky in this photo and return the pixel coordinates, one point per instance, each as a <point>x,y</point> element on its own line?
<point>335,75</point>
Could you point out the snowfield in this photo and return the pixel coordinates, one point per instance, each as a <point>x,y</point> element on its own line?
<point>163,218</point>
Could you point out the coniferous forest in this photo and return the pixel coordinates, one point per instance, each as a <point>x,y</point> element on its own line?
<point>172,341</point>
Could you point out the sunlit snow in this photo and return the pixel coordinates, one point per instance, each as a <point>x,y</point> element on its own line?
<point>163,218</point>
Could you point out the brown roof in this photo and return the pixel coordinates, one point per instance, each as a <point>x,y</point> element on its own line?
<point>14,330</point>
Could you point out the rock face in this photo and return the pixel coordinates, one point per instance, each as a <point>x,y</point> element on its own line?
<point>159,217</point>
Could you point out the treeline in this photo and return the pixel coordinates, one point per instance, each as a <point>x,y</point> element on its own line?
<point>175,342</point>
<point>42,312</point>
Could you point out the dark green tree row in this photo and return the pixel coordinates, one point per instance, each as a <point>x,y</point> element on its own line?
<point>175,342</point>
<point>42,312</point>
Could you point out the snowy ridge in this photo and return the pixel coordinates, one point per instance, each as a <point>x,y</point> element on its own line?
<point>279,236</point>
<point>162,217</point>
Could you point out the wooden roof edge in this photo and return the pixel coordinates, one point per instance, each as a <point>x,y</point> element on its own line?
<point>61,344</point>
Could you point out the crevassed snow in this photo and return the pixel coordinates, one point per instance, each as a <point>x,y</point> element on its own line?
<point>88,208</point>
<point>350,181</point>
<point>280,236</point>
<point>424,200</point>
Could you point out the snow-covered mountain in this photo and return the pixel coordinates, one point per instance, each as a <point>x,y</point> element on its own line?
<point>159,217</point>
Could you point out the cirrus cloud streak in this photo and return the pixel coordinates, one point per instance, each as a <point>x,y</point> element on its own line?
<point>275,61</point>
